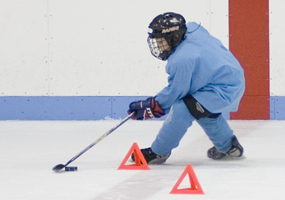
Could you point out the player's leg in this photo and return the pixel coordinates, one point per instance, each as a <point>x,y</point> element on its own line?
<point>174,127</point>
<point>217,129</point>
<point>219,132</point>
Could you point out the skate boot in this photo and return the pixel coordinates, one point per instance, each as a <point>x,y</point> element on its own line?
<point>151,157</point>
<point>235,151</point>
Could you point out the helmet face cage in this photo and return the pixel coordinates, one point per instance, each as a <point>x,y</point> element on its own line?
<point>165,33</point>
<point>159,48</point>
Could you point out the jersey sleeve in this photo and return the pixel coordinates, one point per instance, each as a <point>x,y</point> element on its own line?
<point>179,81</point>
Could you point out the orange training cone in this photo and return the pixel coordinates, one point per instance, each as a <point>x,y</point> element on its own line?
<point>195,187</point>
<point>140,162</point>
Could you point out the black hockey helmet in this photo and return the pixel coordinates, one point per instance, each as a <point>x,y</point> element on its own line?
<point>166,31</point>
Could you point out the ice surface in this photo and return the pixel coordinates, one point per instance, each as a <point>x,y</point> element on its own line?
<point>30,149</point>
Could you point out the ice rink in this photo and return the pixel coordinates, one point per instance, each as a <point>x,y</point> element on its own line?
<point>30,149</point>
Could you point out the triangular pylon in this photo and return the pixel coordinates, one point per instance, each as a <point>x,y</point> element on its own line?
<point>140,162</point>
<point>195,187</point>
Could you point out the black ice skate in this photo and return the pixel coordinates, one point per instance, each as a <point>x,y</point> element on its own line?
<point>151,157</point>
<point>234,152</point>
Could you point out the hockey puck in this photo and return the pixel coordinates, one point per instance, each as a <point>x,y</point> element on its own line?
<point>70,168</point>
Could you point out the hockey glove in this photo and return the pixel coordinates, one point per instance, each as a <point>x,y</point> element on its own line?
<point>146,109</point>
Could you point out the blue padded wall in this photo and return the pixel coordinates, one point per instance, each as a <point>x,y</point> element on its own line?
<point>88,107</point>
<point>54,108</point>
<point>277,108</point>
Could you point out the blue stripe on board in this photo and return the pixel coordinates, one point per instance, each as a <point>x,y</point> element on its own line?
<point>277,108</point>
<point>64,108</point>
<point>54,108</point>
<point>88,107</point>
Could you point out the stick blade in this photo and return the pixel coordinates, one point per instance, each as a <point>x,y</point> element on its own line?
<point>57,168</point>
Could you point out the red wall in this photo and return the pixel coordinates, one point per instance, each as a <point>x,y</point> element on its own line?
<point>249,42</point>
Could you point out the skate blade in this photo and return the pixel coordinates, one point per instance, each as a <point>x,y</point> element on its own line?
<point>229,158</point>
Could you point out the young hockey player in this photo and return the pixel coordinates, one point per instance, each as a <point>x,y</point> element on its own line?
<point>205,79</point>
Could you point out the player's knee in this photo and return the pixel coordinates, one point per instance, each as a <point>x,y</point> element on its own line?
<point>197,110</point>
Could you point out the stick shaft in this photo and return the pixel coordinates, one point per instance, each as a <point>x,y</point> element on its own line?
<point>100,138</point>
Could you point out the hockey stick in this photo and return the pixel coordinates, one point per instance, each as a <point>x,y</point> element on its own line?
<point>59,167</point>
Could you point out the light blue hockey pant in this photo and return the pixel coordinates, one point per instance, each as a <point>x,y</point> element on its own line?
<point>179,120</point>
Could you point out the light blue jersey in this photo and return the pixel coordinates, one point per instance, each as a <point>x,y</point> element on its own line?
<point>203,67</point>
